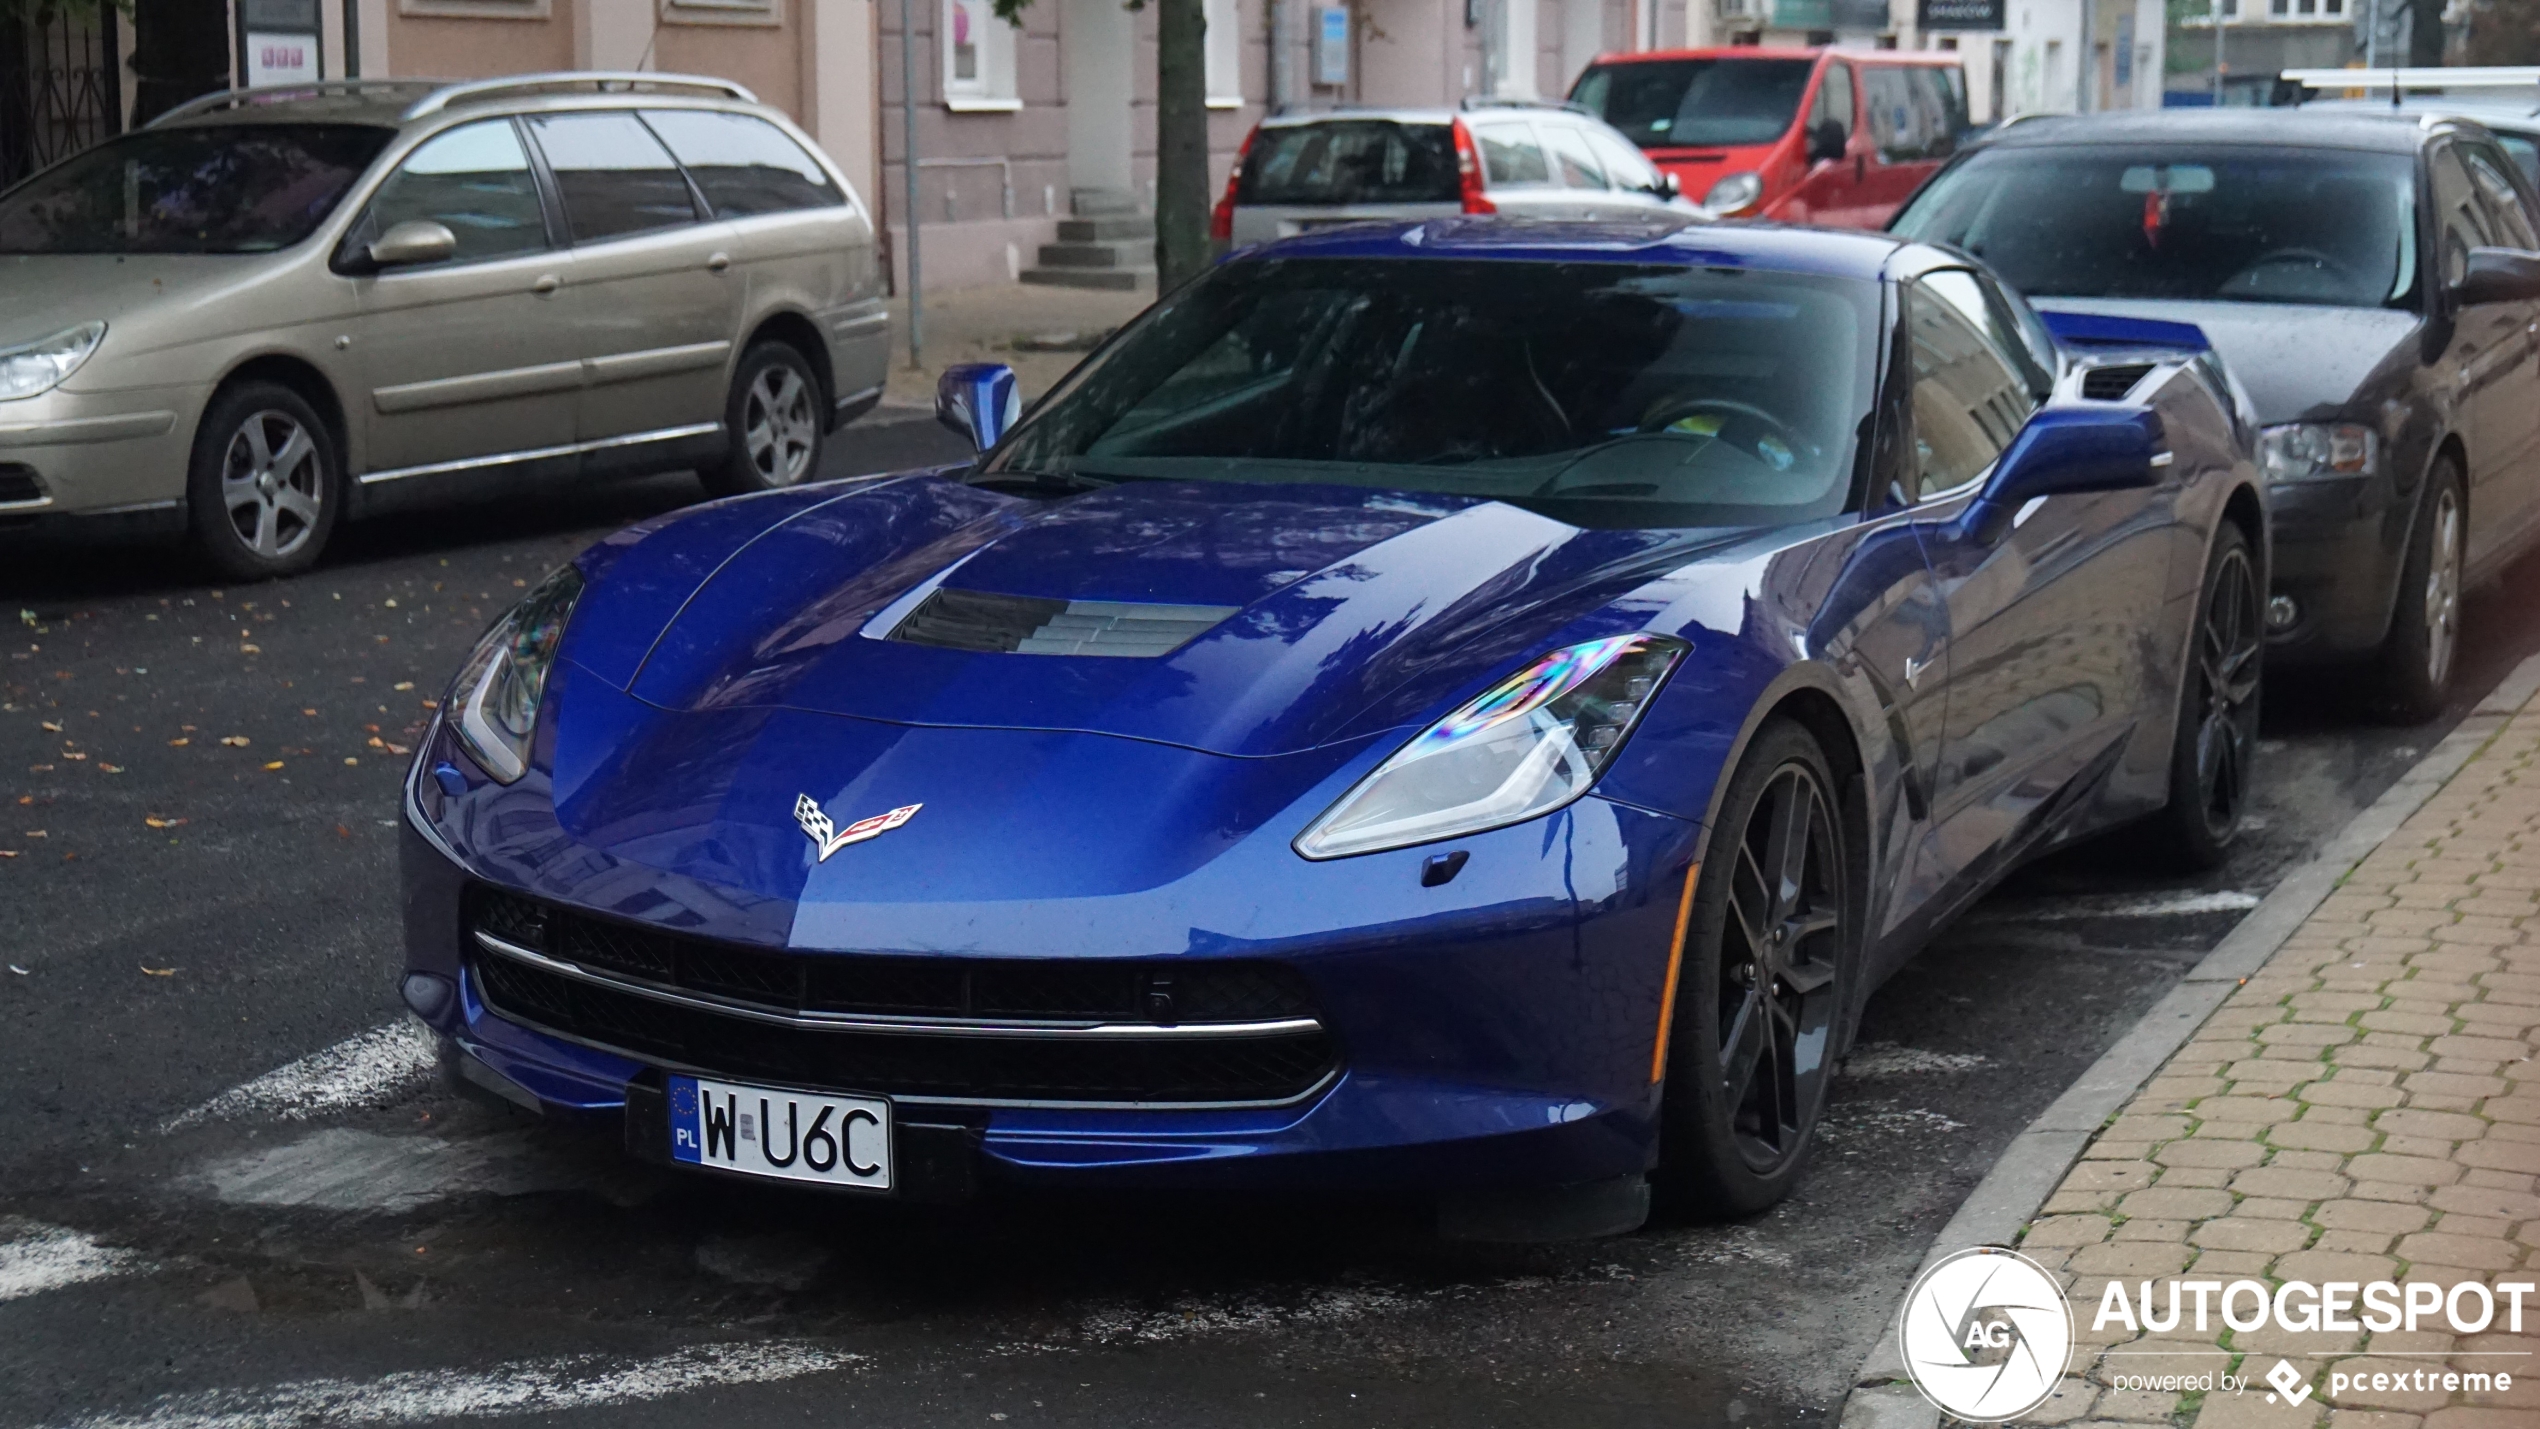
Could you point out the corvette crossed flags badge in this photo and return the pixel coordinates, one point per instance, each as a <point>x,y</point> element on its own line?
<point>829,838</point>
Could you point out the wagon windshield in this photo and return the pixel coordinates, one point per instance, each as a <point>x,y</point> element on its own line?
<point>1601,394</point>
<point>1658,103</point>
<point>236,188</point>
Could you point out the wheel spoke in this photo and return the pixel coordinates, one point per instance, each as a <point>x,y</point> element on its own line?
<point>295,502</point>
<point>295,450</point>
<point>1786,850</point>
<point>259,455</point>
<point>1804,978</point>
<point>1750,900</point>
<point>267,539</point>
<point>1743,1042</point>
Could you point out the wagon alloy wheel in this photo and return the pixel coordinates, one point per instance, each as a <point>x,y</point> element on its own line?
<point>2443,588</point>
<point>1780,947</point>
<point>2227,690</point>
<point>2425,617</point>
<point>272,484</point>
<point>779,427</point>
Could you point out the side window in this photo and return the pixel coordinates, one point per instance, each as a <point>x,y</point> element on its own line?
<point>1623,163</point>
<point>1895,123</point>
<point>1834,103</point>
<point>1578,165</point>
<point>1939,106</point>
<point>1969,396</point>
<point>1510,155</point>
<point>2507,218</point>
<point>2525,152</point>
<point>473,180</point>
<point>2457,213</point>
<point>745,164</point>
<point>616,177</point>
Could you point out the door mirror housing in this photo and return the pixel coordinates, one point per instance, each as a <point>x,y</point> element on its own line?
<point>1826,141</point>
<point>2067,451</point>
<point>417,240</point>
<point>2498,275</point>
<point>980,401</point>
<point>1668,187</point>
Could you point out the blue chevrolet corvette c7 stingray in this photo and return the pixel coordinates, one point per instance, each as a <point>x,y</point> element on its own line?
<point>1467,709</point>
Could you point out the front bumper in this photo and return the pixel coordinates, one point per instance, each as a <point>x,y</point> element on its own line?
<point>1502,1041</point>
<point>2338,545</point>
<point>71,461</point>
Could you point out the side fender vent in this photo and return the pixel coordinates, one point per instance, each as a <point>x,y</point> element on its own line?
<point>1029,625</point>
<point>2113,382</point>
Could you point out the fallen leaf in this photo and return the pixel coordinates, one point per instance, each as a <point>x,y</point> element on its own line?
<point>234,741</point>
<point>8,853</point>
<point>36,834</point>
<point>432,704</point>
<point>403,685</point>
<point>275,764</point>
<point>39,769</point>
<point>179,743</point>
<point>251,650</point>
<point>397,749</point>
<point>160,972</point>
<point>308,712</point>
<point>55,728</point>
<point>351,760</point>
<point>104,768</point>
<point>342,832</point>
<point>376,742</point>
<point>157,822</point>
<point>26,798</point>
<point>74,754</point>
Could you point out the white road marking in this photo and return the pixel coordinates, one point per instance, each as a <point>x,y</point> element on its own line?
<point>37,1258</point>
<point>340,1169</point>
<point>2148,905</point>
<point>1118,1322</point>
<point>552,1386</point>
<point>1886,1059</point>
<point>368,1070</point>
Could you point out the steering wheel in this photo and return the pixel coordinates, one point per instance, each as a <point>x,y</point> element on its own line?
<point>2301,255</point>
<point>1748,428</point>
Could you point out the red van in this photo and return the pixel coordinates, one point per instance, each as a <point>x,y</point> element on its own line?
<point>1803,136</point>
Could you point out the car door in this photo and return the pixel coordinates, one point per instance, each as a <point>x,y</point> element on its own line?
<point>2049,620</point>
<point>655,297</point>
<point>1829,189</point>
<point>2514,509</point>
<point>797,236</point>
<point>2490,348</point>
<point>471,360</point>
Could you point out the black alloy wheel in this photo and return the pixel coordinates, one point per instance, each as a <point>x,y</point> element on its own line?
<point>1761,988</point>
<point>2217,741</point>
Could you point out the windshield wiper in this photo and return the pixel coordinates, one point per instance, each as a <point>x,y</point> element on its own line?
<point>1043,483</point>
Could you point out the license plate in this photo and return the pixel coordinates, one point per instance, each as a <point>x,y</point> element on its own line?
<point>786,1135</point>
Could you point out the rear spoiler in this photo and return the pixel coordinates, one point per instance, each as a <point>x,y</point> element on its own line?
<point>2102,330</point>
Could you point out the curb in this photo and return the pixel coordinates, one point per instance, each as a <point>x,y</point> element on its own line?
<point>2035,1162</point>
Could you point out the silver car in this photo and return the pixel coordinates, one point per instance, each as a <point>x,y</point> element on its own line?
<point>273,310</point>
<point>1306,171</point>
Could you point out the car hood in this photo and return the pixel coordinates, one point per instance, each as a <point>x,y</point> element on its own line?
<point>43,293</point>
<point>1325,613</point>
<point>2296,362</point>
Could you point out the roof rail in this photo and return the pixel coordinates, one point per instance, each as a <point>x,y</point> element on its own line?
<point>2462,77</point>
<point>222,99</point>
<point>448,95</point>
<point>1475,101</point>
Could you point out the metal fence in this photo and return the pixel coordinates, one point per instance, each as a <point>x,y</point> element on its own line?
<point>61,88</point>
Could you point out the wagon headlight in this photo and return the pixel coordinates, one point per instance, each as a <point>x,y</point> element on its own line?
<point>496,694</point>
<point>2300,449</point>
<point>1733,195</point>
<point>34,368</point>
<point>1526,746</point>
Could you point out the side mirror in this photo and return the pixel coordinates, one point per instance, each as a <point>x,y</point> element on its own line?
<point>2498,275</point>
<point>1826,141</point>
<point>980,401</point>
<point>417,240</point>
<point>1669,187</point>
<point>2065,451</point>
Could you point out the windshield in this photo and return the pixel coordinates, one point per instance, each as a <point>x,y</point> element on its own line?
<point>2323,226</point>
<point>241,188</point>
<point>1658,103</point>
<point>1599,394</point>
<point>1351,161</point>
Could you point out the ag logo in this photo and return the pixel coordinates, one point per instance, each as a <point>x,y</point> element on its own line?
<point>1986,1334</point>
<point>829,838</point>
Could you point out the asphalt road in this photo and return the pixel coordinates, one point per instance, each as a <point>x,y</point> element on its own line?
<point>197,1226</point>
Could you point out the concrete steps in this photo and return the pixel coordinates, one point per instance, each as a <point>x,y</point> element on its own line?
<point>1108,244</point>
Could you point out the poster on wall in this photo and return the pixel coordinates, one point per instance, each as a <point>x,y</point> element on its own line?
<point>1960,14</point>
<point>1331,45</point>
<point>278,42</point>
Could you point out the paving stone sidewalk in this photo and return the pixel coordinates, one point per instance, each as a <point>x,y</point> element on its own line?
<point>2365,1107</point>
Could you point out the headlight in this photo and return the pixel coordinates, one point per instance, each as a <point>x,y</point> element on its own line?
<point>2300,449</point>
<point>496,693</point>
<point>1526,746</point>
<point>34,368</point>
<point>1734,194</point>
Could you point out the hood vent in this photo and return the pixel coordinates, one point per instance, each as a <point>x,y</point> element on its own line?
<point>2113,382</point>
<point>1027,625</point>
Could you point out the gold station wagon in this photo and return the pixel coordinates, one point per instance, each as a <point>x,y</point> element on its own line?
<point>275,309</point>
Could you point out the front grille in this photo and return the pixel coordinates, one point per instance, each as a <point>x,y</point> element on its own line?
<point>1028,625</point>
<point>18,484</point>
<point>2113,382</point>
<point>1171,1059</point>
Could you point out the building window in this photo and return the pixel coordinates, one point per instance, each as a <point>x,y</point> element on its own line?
<point>1225,54</point>
<point>478,9</point>
<point>978,58</point>
<point>720,12</point>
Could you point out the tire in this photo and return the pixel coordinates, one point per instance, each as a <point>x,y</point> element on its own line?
<point>2213,752</point>
<point>2425,622</point>
<point>264,487</point>
<point>774,417</point>
<point>1762,986</point>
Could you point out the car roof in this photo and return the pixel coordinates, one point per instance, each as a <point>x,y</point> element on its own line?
<point>2519,116</point>
<point>398,102</point>
<point>2391,133</point>
<point>1387,114</point>
<point>1787,52</point>
<point>1660,238</point>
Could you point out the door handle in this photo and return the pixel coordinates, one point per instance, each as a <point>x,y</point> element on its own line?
<point>718,262</point>
<point>546,285</point>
